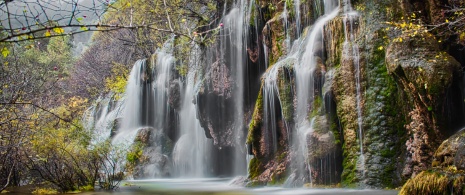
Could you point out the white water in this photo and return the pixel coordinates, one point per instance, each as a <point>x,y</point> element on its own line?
<point>235,33</point>
<point>192,152</point>
<point>305,82</point>
<point>132,112</point>
<point>270,94</point>
<point>102,117</point>
<point>164,62</point>
<point>297,17</point>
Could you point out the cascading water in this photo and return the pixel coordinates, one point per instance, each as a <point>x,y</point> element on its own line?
<point>270,95</point>
<point>191,154</point>
<point>138,88</point>
<point>145,93</point>
<point>305,85</point>
<point>297,17</point>
<point>234,39</point>
<point>146,108</point>
<point>351,51</point>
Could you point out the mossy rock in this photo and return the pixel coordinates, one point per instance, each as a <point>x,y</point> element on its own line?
<point>451,152</point>
<point>436,181</point>
<point>421,67</point>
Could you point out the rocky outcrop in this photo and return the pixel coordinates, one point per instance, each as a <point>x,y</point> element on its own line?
<point>424,74</point>
<point>216,105</point>
<point>448,173</point>
<point>149,156</point>
<point>451,152</point>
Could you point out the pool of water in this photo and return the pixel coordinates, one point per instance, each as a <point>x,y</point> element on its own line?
<point>220,187</point>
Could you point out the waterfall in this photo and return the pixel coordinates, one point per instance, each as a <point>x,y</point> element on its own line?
<point>191,154</point>
<point>351,51</point>
<point>270,94</point>
<point>101,118</point>
<point>134,112</point>
<point>146,108</point>
<point>233,44</point>
<point>305,85</point>
<point>297,16</point>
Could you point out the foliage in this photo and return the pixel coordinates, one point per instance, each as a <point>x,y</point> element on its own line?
<point>118,80</point>
<point>449,24</point>
<point>112,167</point>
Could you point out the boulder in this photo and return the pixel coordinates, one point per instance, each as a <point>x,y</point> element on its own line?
<point>451,152</point>
<point>155,148</point>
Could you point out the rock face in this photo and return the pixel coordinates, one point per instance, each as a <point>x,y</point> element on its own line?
<point>424,73</point>
<point>154,148</point>
<point>448,173</point>
<point>451,152</point>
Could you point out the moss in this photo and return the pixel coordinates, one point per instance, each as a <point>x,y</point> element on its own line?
<point>435,182</point>
<point>277,179</point>
<point>285,94</point>
<point>255,168</point>
<point>387,175</point>
<point>255,124</point>
<point>317,104</point>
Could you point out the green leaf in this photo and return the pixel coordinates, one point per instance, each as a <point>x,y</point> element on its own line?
<point>79,19</point>
<point>83,28</point>
<point>5,52</point>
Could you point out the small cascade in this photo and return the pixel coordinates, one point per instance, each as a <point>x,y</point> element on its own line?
<point>270,95</point>
<point>234,47</point>
<point>306,81</point>
<point>134,113</point>
<point>192,152</point>
<point>164,61</point>
<point>351,51</point>
<point>145,112</point>
<point>101,118</point>
<point>298,21</point>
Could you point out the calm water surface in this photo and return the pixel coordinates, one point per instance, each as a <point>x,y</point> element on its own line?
<point>220,187</point>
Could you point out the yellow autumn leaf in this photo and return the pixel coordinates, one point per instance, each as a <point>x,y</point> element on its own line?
<point>380,48</point>
<point>403,25</point>
<point>5,52</point>
<point>59,30</point>
<point>47,33</point>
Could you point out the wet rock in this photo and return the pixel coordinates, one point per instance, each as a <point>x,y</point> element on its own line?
<point>116,125</point>
<point>155,148</point>
<point>424,73</point>
<point>174,96</point>
<point>451,152</point>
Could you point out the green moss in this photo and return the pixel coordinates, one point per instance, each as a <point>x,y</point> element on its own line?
<point>255,168</point>
<point>387,175</point>
<point>348,175</point>
<point>317,104</point>
<point>435,182</point>
<point>286,95</point>
<point>255,124</point>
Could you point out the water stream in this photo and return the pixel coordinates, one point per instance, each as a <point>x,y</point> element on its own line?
<point>351,52</point>
<point>234,45</point>
<point>305,85</point>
